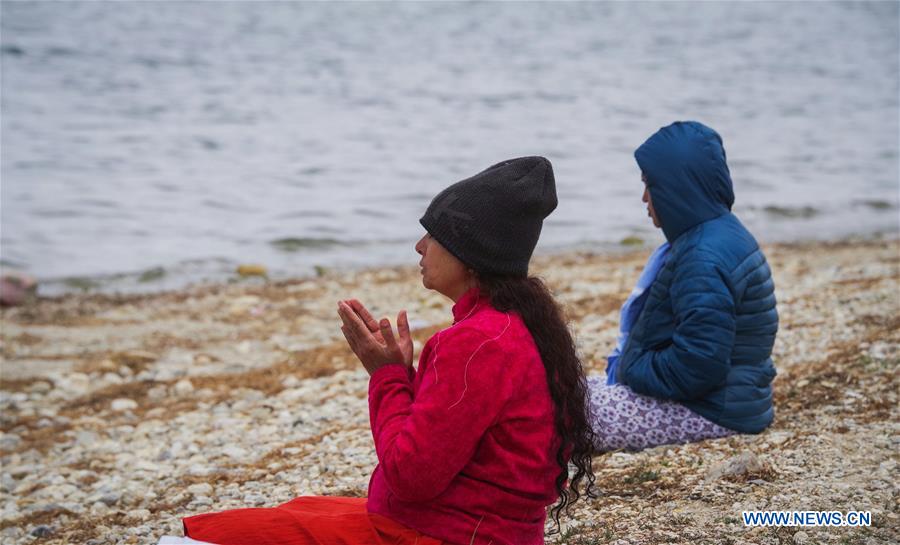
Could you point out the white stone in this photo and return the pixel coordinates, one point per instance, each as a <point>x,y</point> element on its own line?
<point>76,383</point>
<point>255,499</point>
<point>183,387</point>
<point>201,501</point>
<point>111,378</point>
<point>140,514</point>
<point>200,489</point>
<point>234,451</point>
<point>146,465</point>
<point>200,470</point>
<point>123,404</point>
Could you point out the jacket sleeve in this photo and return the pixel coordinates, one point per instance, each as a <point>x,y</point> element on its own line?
<point>699,357</point>
<point>422,443</point>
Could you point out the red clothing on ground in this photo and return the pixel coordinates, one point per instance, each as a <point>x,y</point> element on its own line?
<point>311,520</point>
<point>467,447</point>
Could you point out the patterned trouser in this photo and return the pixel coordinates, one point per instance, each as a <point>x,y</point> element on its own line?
<point>623,419</point>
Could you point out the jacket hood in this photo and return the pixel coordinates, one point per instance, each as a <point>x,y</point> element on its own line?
<point>687,176</point>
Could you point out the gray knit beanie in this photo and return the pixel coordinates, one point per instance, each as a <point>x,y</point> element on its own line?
<point>492,221</point>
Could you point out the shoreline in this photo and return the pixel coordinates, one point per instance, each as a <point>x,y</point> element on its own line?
<point>122,413</point>
<point>147,281</point>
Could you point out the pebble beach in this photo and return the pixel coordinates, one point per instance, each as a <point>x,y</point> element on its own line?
<point>123,413</point>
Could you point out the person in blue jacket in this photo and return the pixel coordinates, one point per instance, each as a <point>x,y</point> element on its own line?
<point>693,358</point>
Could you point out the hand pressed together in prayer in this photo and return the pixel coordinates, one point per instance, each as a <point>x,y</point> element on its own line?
<point>374,342</point>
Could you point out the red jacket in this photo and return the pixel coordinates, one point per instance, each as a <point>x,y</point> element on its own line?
<point>466,445</point>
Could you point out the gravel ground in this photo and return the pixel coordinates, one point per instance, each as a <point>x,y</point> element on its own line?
<point>122,414</point>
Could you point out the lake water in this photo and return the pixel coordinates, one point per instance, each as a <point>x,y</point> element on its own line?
<point>146,145</point>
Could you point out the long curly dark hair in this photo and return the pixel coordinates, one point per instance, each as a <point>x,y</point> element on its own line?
<point>529,297</point>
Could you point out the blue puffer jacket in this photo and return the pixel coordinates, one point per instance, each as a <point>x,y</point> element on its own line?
<point>705,335</point>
